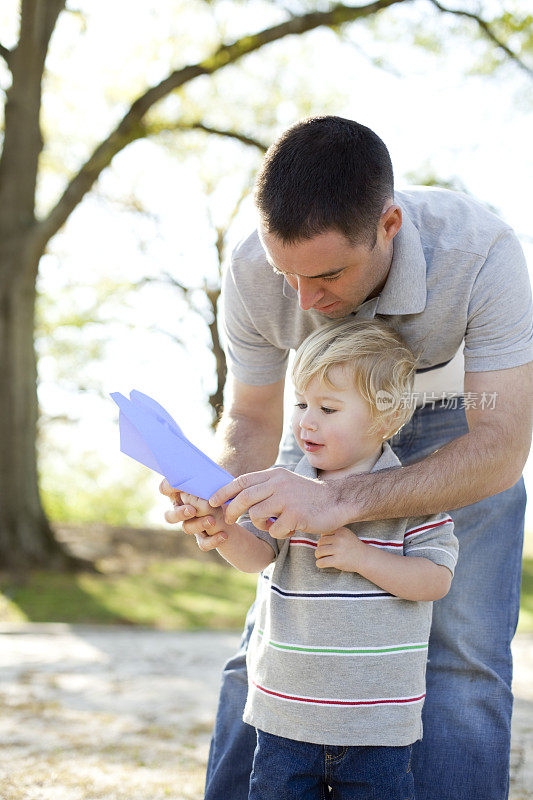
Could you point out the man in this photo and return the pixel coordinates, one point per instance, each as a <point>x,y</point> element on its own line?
<point>334,239</point>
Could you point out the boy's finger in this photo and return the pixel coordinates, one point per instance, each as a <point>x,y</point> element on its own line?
<point>200,525</point>
<point>168,490</point>
<point>325,561</point>
<point>179,513</point>
<point>206,542</point>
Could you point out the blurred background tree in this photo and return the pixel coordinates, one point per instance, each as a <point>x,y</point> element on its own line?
<point>170,77</point>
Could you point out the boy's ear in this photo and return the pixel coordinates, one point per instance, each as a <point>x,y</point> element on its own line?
<point>391,424</point>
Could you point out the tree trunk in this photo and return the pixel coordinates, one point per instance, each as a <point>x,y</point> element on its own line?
<point>25,536</point>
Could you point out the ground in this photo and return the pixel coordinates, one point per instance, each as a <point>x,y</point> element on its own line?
<point>125,713</point>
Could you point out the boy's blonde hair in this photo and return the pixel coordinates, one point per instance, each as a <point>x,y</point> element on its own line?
<point>381,364</point>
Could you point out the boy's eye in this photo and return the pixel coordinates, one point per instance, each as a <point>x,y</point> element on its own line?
<point>301,405</point>
<point>328,410</point>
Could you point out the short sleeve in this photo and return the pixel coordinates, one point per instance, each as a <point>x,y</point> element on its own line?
<point>432,538</point>
<point>499,327</point>
<point>247,523</point>
<point>250,357</point>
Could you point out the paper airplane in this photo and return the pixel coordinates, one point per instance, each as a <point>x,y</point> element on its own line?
<point>151,436</point>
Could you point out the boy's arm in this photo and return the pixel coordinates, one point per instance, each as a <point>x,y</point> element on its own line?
<point>237,545</point>
<point>410,576</point>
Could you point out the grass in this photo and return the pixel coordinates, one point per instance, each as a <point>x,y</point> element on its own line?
<point>178,594</point>
<point>182,594</point>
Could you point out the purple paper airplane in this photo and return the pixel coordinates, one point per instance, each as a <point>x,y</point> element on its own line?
<point>149,435</point>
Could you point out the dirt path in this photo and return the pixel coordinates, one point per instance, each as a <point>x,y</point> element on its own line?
<point>126,714</point>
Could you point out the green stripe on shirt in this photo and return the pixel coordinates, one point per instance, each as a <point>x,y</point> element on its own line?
<point>346,650</point>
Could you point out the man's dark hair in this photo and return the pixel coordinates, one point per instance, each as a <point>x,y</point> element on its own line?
<point>324,173</point>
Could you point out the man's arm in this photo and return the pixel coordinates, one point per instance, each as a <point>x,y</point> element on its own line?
<point>485,461</point>
<point>250,429</point>
<point>248,437</point>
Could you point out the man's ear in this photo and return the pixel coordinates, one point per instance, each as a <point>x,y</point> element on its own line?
<point>390,222</point>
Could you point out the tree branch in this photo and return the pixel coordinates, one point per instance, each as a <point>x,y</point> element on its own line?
<point>155,129</point>
<point>167,279</point>
<point>130,128</point>
<point>487,31</point>
<point>6,54</point>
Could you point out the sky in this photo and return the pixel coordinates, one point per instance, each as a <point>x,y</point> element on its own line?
<point>434,116</point>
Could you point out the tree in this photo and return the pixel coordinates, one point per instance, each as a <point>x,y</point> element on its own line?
<point>25,535</point>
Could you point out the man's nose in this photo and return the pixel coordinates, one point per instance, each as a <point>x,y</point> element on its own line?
<point>308,295</point>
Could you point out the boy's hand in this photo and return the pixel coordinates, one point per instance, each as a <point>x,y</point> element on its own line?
<point>208,524</point>
<point>183,511</point>
<point>341,549</point>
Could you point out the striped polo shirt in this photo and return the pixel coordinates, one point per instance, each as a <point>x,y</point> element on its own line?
<point>333,658</point>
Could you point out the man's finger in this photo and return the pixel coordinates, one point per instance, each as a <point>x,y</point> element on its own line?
<point>281,528</point>
<point>234,488</point>
<point>252,498</point>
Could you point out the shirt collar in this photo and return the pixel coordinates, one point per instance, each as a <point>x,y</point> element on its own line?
<point>387,459</point>
<point>405,289</point>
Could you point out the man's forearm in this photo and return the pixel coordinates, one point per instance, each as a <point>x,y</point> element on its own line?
<point>246,445</point>
<point>460,473</point>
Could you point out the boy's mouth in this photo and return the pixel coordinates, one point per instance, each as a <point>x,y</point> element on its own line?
<point>311,447</point>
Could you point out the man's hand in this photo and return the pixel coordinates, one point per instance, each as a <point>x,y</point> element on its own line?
<point>341,549</point>
<point>297,503</point>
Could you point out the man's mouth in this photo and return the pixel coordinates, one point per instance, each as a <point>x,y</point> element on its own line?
<point>327,308</point>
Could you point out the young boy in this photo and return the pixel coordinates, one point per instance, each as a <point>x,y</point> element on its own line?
<point>336,665</point>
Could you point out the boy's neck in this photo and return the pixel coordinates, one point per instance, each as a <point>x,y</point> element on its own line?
<point>362,466</point>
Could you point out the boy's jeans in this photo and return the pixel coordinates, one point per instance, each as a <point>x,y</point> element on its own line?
<point>284,769</point>
<point>464,754</point>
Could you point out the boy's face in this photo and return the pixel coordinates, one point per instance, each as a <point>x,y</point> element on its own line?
<point>331,426</point>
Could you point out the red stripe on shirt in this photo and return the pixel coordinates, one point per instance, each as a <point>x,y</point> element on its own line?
<point>339,702</point>
<point>427,527</point>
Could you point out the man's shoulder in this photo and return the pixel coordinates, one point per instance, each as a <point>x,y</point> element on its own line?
<point>249,249</point>
<point>450,220</point>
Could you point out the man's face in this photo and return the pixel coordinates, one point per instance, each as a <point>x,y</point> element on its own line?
<point>330,274</point>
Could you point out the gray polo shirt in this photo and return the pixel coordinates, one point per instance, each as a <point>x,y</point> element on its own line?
<point>458,276</point>
<point>333,658</point>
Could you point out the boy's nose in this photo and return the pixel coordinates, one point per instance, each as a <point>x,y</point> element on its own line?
<point>307,423</point>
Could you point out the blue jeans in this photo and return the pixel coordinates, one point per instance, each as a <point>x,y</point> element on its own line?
<point>287,770</point>
<point>464,753</point>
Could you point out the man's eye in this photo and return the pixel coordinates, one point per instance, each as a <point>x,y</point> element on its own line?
<point>330,278</point>
<point>328,410</point>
